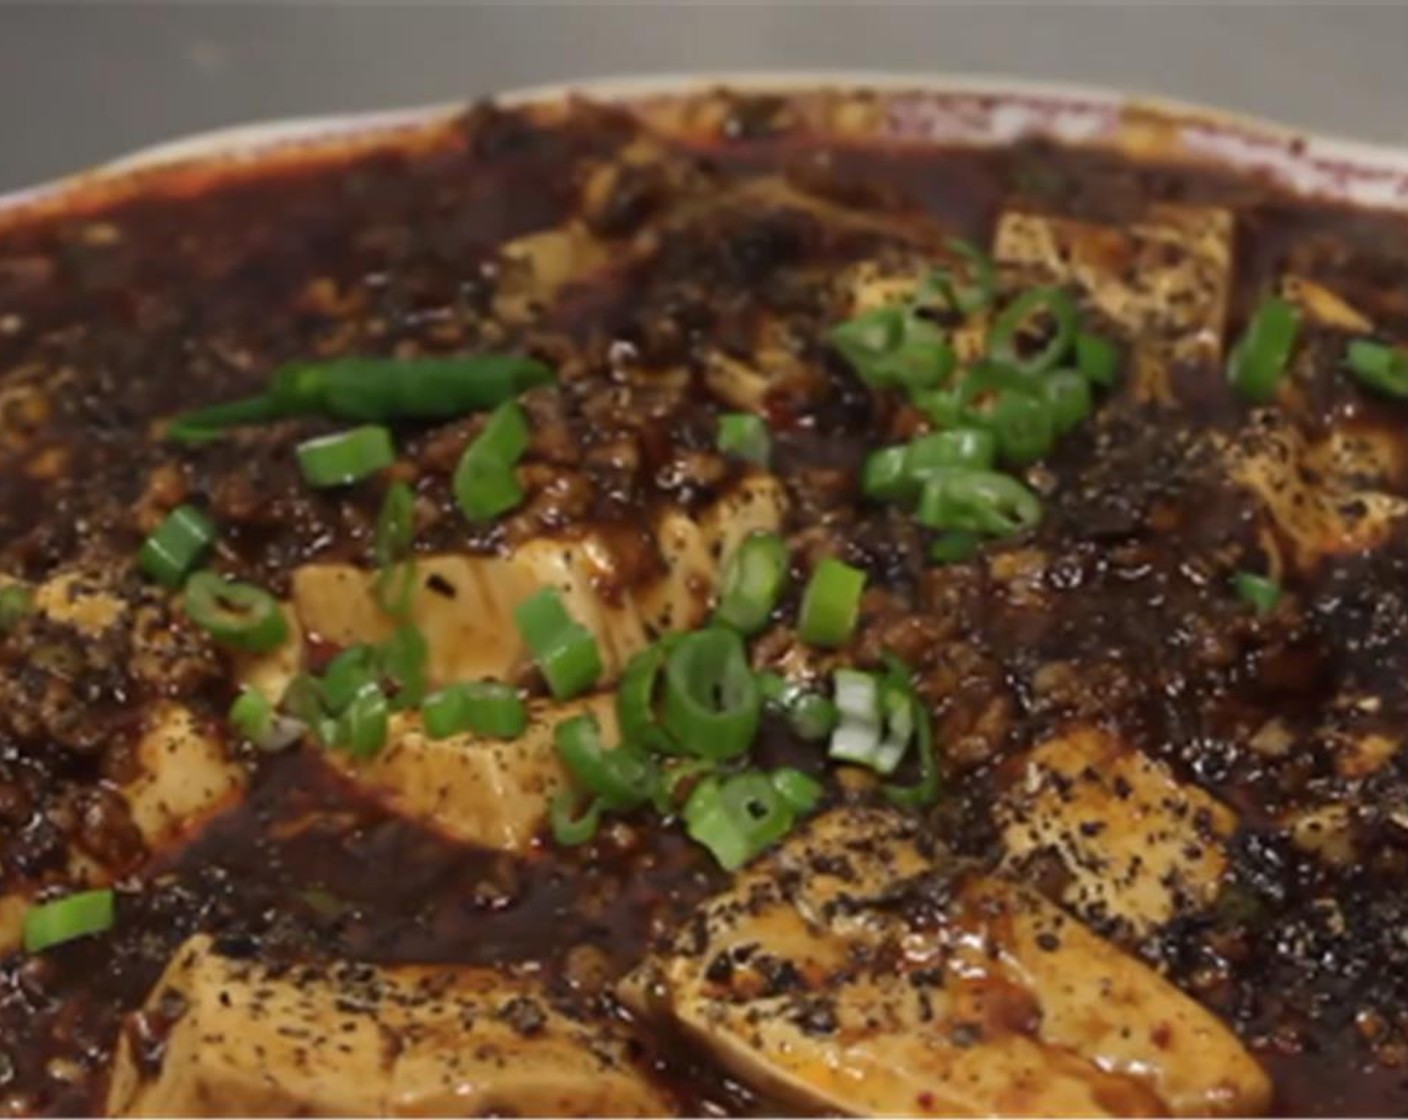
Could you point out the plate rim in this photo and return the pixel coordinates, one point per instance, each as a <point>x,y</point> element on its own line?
<point>1330,156</point>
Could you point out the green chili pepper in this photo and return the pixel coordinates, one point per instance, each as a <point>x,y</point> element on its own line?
<point>374,390</point>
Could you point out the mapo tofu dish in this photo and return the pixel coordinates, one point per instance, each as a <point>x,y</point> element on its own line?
<point>695,607</point>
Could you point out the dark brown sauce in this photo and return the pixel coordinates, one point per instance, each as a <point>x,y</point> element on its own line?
<point>197,298</point>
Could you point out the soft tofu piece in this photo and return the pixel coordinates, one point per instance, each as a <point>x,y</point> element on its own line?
<point>856,969</point>
<point>184,775</point>
<point>1139,846</point>
<point>469,628</point>
<point>481,791</point>
<point>1164,279</point>
<point>249,1038</point>
<point>1312,493</point>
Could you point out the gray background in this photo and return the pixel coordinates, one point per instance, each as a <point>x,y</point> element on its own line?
<point>79,83</point>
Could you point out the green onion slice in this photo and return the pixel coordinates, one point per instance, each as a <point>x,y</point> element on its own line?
<point>737,818</point>
<point>620,779</point>
<point>1261,593</point>
<point>753,578</point>
<point>982,290</point>
<point>252,715</point>
<point>985,502</point>
<point>395,582</point>
<point>885,476</point>
<point>876,723</point>
<point>484,482</point>
<point>345,457</point>
<point>812,717</point>
<point>958,447</point>
<point>800,790</point>
<point>712,704</point>
<point>363,726</point>
<point>489,708</point>
<point>239,615</point>
<point>1097,359</point>
<point>1259,359</point>
<point>1380,367</point>
<point>954,547</point>
<point>565,651</point>
<point>831,604</point>
<point>16,601</point>
<point>636,696</point>
<point>1069,398</point>
<point>1024,426</point>
<point>1003,339</point>
<point>66,919</point>
<point>744,436</point>
<point>179,543</point>
<point>570,829</point>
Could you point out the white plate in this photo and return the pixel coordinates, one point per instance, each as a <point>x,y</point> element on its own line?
<point>919,108</point>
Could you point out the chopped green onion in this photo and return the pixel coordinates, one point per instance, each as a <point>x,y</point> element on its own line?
<point>978,502</point>
<point>737,818</point>
<point>922,360</point>
<point>800,790</point>
<point>872,730</point>
<point>238,615</point>
<point>506,434</point>
<point>568,830</point>
<point>1069,397</point>
<point>486,488</point>
<point>831,604</point>
<point>178,545</point>
<point>1379,366</point>
<point>16,601</point>
<point>865,340</point>
<point>744,436</point>
<point>712,704</point>
<point>775,689</point>
<point>572,665</point>
<point>812,717</point>
<point>363,726</point>
<point>1007,328</point>
<point>943,407</point>
<point>922,792</point>
<point>1260,593</point>
<point>954,547</point>
<point>541,618</point>
<point>884,475</point>
<point>403,659</point>
<point>892,346</point>
<point>252,715</point>
<point>446,712</point>
<point>753,579</point>
<point>391,545</point>
<point>958,447</point>
<point>565,651</point>
<point>66,919</point>
<point>1259,359</point>
<point>1097,359</point>
<point>489,708</point>
<point>345,457</point>
<point>620,779</point>
<point>352,670</point>
<point>484,482</point>
<point>636,695</point>
<point>978,295</point>
<point>1025,427</point>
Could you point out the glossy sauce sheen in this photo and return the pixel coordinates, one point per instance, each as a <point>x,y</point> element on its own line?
<point>166,303</point>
